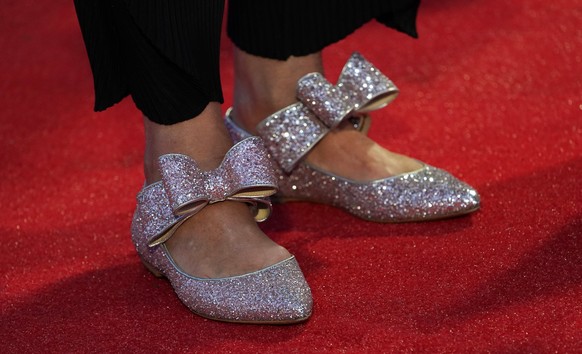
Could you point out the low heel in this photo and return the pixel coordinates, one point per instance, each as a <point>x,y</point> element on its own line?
<point>152,269</point>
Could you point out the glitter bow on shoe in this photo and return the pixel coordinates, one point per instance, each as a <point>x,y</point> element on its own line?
<point>361,88</point>
<point>276,294</point>
<point>289,134</point>
<point>245,175</point>
<point>294,130</point>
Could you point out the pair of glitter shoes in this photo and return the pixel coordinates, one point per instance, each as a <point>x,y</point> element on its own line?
<point>428,193</point>
<point>277,294</point>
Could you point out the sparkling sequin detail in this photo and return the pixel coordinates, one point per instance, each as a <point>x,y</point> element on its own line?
<point>325,100</point>
<point>293,131</point>
<point>275,294</point>
<point>364,86</point>
<point>154,217</point>
<point>245,173</point>
<point>278,293</point>
<point>290,133</point>
<point>426,194</point>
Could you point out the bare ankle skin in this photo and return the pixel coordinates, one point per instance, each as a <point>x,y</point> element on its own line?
<point>203,138</point>
<point>263,86</point>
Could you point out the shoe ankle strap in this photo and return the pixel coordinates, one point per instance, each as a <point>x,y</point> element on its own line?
<point>292,132</point>
<point>245,175</point>
<point>364,86</point>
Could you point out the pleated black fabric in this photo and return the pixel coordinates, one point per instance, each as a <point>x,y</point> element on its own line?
<point>279,29</point>
<point>165,53</point>
<point>104,51</point>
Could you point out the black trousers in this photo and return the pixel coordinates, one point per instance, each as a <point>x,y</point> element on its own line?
<point>165,53</point>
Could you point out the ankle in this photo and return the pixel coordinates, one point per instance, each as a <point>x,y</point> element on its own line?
<point>203,138</point>
<point>263,86</point>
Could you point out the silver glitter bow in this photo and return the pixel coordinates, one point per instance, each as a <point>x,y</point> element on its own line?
<point>294,130</point>
<point>361,87</point>
<point>245,175</point>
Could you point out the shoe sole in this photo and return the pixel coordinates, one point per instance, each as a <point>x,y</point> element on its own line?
<point>159,275</point>
<point>284,200</point>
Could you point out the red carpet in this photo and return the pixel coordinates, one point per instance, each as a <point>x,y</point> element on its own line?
<point>491,92</point>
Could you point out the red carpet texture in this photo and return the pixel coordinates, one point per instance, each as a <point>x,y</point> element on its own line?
<point>491,91</point>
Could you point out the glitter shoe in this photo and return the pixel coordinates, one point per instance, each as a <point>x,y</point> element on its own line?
<point>277,294</point>
<point>425,194</point>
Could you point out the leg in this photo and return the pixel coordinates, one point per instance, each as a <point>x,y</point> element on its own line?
<point>223,239</point>
<point>165,54</point>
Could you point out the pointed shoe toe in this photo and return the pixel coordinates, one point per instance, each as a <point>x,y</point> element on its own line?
<point>277,294</point>
<point>426,194</point>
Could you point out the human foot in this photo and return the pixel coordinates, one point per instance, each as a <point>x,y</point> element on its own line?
<point>322,159</point>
